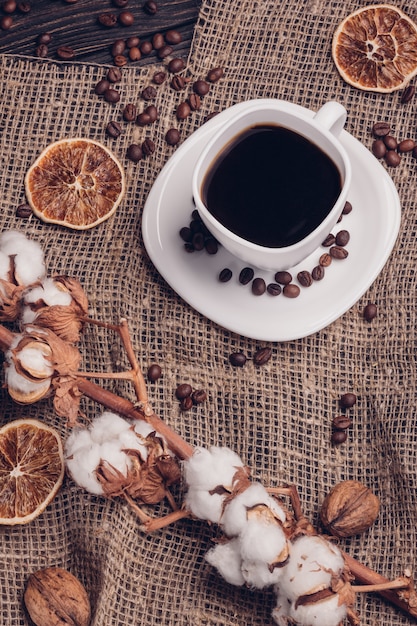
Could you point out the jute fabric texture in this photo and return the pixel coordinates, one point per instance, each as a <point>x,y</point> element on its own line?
<point>277,417</point>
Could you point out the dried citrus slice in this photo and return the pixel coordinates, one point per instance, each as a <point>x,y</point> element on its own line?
<point>375,48</point>
<point>77,183</point>
<point>31,469</point>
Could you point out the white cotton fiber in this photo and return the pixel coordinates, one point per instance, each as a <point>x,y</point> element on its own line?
<point>323,613</point>
<point>143,428</point>
<point>33,360</point>
<point>204,505</point>
<point>258,575</point>
<point>50,293</point>
<point>225,557</point>
<point>281,611</point>
<point>82,457</point>
<point>262,541</point>
<point>23,385</point>
<point>108,426</point>
<point>209,468</point>
<point>235,514</point>
<point>29,259</point>
<point>4,266</point>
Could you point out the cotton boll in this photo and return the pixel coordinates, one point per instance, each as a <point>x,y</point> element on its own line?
<point>258,575</point>
<point>225,557</point>
<point>50,293</point>
<point>82,461</point>
<point>142,428</point>
<point>324,613</point>
<point>208,469</point>
<point>33,360</point>
<point>262,541</point>
<point>130,440</point>
<point>78,439</point>
<point>108,426</point>
<point>235,514</point>
<point>28,256</point>
<point>19,383</point>
<point>312,562</point>
<point>204,505</point>
<point>281,611</point>
<point>111,453</point>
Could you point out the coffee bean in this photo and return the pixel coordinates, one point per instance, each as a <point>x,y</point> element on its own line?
<point>120,60</point>
<point>274,289</point>
<point>198,396</point>
<point>65,53</point>
<point>134,153</point>
<point>406,145</point>
<point>390,142</point>
<point>129,113</point>
<point>146,47</point>
<point>201,87</point>
<point>246,275</point>
<point>42,51</point>
<point>408,94</point>
<point>150,7</point>
<point>291,290</point>
<point>143,119</point>
<point>325,260</point>
<point>101,87</point>
<point>126,18</point>
<point>347,208</point>
<point>348,400</point>
<point>237,359</point>
<point>183,391</point>
<point>165,52</point>
<point>198,241</point>
<point>154,372</point>
<point>149,93</point>
<point>380,129</point>
<point>258,286</point>
<point>225,275</point>
<point>172,137</point>
<point>148,147</point>
<point>173,37</point>
<point>370,311</point>
<point>133,41</point>
<point>338,437</point>
<point>9,6</point>
<point>337,252</point>
<point>113,129</point>
<point>120,4</point>
<point>24,211</point>
<point>342,238</point>
<point>215,74</point>
<point>152,111</point>
<point>262,356</point>
<point>186,233</point>
<point>284,278</point>
<point>329,241</point>
<point>304,278</point>
<point>211,245</point>
<point>111,95</point>
<point>392,158</point>
<point>24,7</point>
<point>379,148</point>
<point>341,422</point>
<point>114,75</point>
<point>183,110</point>
<point>109,20</point>
<point>186,403</point>
<point>176,65</point>
<point>44,38</point>
<point>6,22</point>
<point>158,41</point>
<point>134,54</point>
<point>317,273</point>
<point>159,78</point>
<point>178,83</point>
<point>118,47</point>
<point>194,101</point>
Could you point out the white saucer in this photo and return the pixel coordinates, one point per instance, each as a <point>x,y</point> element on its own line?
<point>373,225</point>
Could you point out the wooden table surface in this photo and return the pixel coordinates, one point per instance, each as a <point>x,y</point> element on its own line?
<point>75,23</point>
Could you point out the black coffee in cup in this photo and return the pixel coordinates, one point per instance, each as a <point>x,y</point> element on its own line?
<point>271,186</point>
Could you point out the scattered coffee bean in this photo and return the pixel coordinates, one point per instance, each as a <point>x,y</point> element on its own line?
<point>379,149</point>
<point>120,60</point>
<point>225,275</point>
<point>24,211</point>
<point>183,110</point>
<point>149,93</point>
<point>133,41</point>
<point>129,113</point>
<point>283,277</point>
<point>165,52</point>
<point>370,311</point>
<point>120,4</point>
<point>101,87</point>
<point>111,95</point>
<point>143,119</point>
<point>408,94</point>
<point>184,390</point>
<point>211,245</point>
<point>258,286</point>
<point>392,158</point>
<point>390,142</point>
<point>215,74</point>
<point>198,396</point>
<point>304,278</point>
<point>176,65</point>
<point>198,241</point>
<point>113,129</point>
<point>118,47</point>
<point>65,53</point>
<point>380,129</point>
<point>317,273</point>
<point>274,289</point>
<point>148,147</point>
<point>152,111</point>
<point>150,7</point>
<point>109,20</point>
<point>338,437</point>
<point>114,75</point>
<point>173,37</point>
<point>337,252</point>
<point>194,101</point>
<point>201,87</point>
<point>262,356</point>
<point>172,137</point>
<point>186,403</point>
<point>291,290</point>
<point>178,83</point>
<point>237,359</point>
<point>134,153</point>
<point>158,41</point>
<point>246,275</point>
<point>44,38</point>
<point>42,51</point>
<point>347,208</point>
<point>348,400</point>
<point>325,260</point>
<point>146,47</point>
<point>341,422</point>
<point>159,78</point>
<point>154,372</point>
<point>134,54</point>
<point>186,234</point>
<point>126,18</point>
<point>24,7</point>
<point>6,22</point>
<point>329,241</point>
<point>342,238</point>
<point>406,145</point>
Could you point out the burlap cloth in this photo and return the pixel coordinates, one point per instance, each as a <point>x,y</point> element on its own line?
<point>278,418</point>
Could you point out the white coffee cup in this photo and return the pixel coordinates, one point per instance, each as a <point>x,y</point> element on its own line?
<point>321,129</point>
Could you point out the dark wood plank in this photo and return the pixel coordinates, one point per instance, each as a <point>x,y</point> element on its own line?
<point>76,25</point>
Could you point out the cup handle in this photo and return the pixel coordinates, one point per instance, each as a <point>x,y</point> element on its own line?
<point>332,115</point>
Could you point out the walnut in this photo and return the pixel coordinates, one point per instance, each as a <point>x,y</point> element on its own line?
<point>54,597</point>
<point>349,508</point>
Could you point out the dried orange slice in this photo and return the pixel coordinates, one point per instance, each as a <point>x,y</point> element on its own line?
<point>31,469</point>
<point>375,48</point>
<point>77,183</point>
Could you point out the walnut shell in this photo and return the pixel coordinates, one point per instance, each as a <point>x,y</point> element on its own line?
<point>349,508</point>
<point>54,597</point>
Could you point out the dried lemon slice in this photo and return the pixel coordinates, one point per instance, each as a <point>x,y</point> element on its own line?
<point>77,183</point>
<point>31,469</point>
<point>375,48</point>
